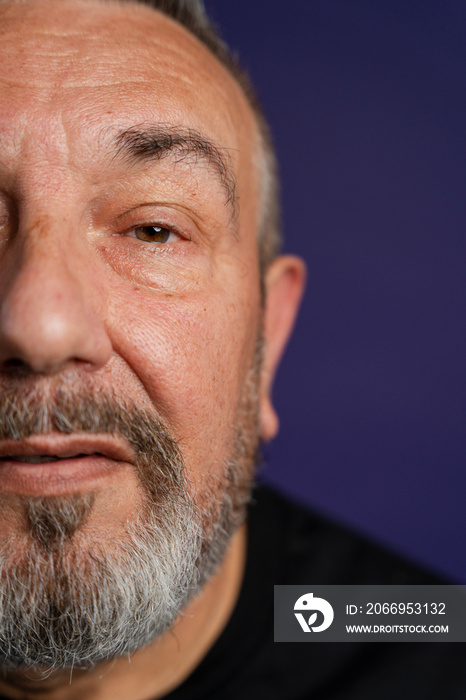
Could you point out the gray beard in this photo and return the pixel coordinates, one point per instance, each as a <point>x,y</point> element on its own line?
<point>66,607</point>
<point>66,603</point>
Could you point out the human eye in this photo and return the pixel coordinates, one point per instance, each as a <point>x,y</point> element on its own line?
<point>154,233</point>
<point>153,243</point>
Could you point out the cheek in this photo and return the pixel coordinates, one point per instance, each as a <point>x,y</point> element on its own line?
<point>189,358</point>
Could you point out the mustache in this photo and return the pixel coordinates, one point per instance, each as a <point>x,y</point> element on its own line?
<point>158,458</point>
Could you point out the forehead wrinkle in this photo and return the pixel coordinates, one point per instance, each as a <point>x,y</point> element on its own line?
<point>146,143</point>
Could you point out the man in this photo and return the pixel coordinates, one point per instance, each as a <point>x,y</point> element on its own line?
<point>143,315</point>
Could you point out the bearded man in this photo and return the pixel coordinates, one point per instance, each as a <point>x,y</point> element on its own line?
<point>144,311</point>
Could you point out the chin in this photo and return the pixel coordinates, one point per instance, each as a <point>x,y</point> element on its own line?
<point>72,600</point>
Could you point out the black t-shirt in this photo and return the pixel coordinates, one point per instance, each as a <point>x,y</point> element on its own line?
<point>287,544</point>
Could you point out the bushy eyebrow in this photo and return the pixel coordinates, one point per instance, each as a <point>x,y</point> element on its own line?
<point>155,142</point>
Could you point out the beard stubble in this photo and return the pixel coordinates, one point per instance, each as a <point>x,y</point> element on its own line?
<point>62,606</point>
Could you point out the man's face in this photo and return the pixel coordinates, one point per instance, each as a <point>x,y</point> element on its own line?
<point>91,292</point>
<point>128,274</point>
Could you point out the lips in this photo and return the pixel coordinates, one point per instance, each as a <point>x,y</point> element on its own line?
<point>40,459</point>
<point>58,446</point>
<point>57,464</point>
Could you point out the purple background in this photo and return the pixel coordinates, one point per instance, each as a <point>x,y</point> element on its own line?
<point>367,105</point>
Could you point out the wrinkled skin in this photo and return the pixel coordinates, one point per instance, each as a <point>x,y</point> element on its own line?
<point>84,302</point>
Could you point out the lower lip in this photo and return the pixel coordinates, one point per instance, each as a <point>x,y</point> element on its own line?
<point>58,477</point>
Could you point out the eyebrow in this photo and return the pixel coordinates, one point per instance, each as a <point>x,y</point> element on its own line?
<point>141,144</point>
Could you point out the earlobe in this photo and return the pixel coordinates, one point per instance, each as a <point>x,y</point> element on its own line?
<point>284,286</point>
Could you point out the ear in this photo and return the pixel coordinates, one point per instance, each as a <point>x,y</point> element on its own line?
<point>284,286</point>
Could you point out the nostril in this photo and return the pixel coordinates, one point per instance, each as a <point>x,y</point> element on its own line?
<point>48,320</point>
<point>15,364</point>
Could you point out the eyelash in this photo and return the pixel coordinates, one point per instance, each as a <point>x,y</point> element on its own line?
<point>157,230</point>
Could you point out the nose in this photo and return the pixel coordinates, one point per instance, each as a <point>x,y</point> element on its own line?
<point>49,314</point>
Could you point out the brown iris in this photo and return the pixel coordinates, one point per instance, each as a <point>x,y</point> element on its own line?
<point>152,234</point>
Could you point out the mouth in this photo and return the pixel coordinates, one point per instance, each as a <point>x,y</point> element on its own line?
<point>57,464</point>
<point>40,459</point>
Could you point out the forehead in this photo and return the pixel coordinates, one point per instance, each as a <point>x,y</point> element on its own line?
<point>76,67</point>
